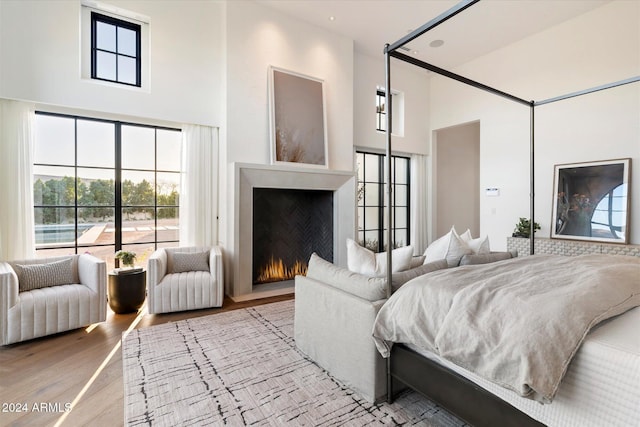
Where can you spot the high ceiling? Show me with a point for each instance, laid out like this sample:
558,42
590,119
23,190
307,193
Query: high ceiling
484,27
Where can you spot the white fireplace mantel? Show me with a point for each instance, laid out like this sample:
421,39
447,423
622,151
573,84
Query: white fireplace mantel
250,176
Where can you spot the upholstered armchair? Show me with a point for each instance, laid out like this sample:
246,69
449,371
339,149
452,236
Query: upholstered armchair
45,296
186,278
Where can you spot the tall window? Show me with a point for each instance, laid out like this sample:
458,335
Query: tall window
101,186
372,201
115,50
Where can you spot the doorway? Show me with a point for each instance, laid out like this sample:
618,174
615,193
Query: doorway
456,200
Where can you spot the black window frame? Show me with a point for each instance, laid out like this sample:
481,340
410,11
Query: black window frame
380,182
380,113
118,23
117,203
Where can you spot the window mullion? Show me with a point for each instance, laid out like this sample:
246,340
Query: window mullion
392,200
381,188
75,185
408,196
117,54
118,186
155,187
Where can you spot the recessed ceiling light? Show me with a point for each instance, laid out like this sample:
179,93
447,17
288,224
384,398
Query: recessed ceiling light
415,52
332,18
436,43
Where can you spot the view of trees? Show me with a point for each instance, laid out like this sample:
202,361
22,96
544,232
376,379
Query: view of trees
96,199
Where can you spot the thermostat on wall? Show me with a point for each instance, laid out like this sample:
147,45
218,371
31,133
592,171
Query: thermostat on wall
492,192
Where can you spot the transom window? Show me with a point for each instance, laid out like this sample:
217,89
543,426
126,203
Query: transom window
101,186
372,201
381,111
115,50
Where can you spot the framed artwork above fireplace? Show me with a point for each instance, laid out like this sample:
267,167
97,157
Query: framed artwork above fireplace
592,201
297,119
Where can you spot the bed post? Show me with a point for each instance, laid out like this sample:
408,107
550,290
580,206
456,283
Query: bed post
532,229
387,172
387,94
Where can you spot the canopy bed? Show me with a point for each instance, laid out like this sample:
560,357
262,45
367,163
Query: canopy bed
475,400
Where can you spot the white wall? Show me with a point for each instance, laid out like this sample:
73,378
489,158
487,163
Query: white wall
412,82
40,51
258,36
598,47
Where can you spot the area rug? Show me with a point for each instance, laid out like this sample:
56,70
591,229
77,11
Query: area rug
242,368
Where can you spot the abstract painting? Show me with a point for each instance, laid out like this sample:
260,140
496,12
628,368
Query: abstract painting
298,121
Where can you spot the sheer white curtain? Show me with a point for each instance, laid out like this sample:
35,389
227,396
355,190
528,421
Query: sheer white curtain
17,237
419,203
199,186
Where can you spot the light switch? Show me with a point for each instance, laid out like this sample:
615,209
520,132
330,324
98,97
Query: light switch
492,192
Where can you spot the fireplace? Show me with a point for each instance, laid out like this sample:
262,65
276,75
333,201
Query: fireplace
333,190
288,226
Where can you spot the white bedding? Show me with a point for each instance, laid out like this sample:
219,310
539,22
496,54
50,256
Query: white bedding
516,323
601,387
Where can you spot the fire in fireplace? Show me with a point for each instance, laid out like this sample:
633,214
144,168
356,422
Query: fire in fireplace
276,271
288,226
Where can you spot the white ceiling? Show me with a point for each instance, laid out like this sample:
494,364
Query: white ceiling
484,27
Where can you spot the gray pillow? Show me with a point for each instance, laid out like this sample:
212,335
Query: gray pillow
417,261
189,261
369,288
399,279
485,258
37,276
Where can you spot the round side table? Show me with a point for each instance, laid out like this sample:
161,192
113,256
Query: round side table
127,291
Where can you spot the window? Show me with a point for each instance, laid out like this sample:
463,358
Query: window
372,201
101,186
381,111
115,50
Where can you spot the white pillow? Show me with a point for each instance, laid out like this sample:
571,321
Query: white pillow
479,246
364,261
450,247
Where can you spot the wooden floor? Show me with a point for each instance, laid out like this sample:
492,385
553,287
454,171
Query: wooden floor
40,378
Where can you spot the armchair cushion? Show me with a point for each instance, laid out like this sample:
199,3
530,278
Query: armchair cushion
36,276
183,261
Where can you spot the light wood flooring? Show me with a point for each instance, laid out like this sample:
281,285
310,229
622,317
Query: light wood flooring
82,367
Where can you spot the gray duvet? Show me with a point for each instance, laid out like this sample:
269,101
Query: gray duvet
517,322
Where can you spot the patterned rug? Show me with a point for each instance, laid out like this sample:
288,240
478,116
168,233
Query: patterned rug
242,368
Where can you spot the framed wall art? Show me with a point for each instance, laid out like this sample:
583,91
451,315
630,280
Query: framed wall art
297,119
591,201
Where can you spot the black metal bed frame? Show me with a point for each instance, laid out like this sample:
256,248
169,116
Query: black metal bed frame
451,390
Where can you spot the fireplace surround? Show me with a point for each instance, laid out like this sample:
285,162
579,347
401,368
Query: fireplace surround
249,177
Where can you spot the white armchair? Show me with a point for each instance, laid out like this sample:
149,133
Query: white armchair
186,278
52,295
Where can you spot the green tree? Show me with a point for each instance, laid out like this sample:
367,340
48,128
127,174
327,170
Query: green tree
144,194
101,193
